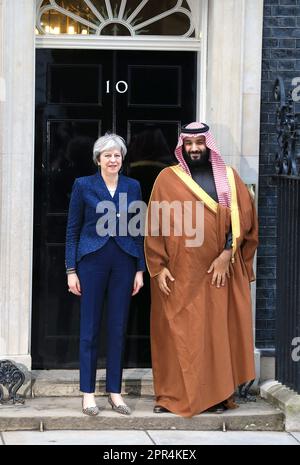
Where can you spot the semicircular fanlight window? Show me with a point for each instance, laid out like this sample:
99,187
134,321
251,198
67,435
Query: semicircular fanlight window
115,17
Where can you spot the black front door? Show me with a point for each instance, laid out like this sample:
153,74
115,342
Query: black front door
81,94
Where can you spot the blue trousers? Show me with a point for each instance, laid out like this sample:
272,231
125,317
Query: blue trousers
109,271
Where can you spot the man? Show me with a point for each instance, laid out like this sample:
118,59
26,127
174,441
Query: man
201,320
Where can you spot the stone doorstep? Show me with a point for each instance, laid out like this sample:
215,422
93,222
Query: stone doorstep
64,413
286,399
58,383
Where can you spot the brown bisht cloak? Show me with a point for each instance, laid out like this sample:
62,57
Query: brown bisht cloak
201,335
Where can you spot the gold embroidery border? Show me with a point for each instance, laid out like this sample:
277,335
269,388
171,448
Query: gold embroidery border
188,180
235,216
209,201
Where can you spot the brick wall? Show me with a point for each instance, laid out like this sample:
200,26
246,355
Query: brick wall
281,56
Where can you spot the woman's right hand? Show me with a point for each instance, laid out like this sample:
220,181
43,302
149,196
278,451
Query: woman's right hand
74,284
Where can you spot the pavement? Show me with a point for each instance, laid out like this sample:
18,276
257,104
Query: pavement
148,438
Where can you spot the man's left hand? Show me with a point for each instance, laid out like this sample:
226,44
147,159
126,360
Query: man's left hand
220,268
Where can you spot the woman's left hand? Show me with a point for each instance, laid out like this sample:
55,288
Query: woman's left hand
138,282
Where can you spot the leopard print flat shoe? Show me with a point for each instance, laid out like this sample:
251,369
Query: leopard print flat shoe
91,411
123,409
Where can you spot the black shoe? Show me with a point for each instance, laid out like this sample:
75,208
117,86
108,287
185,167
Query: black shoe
160,409
218,408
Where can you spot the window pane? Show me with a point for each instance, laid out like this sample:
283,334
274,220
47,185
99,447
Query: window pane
152,9
81,9
177,24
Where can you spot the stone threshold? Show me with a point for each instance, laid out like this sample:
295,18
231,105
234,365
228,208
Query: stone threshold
64,413
284,398
57,383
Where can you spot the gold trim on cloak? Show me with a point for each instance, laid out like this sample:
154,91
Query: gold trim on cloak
234,211
194,187
210,202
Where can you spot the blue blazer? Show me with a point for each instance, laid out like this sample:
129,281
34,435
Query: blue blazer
82,237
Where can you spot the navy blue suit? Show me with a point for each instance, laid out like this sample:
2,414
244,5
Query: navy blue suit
82,237
106,266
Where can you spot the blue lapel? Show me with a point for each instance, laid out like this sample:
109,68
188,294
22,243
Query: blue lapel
103,192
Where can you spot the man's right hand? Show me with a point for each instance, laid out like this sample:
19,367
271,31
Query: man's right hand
162,280
74,284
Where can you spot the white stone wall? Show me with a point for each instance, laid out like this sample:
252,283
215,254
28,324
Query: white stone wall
234,81
17,19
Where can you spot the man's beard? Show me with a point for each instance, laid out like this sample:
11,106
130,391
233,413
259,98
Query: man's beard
203,160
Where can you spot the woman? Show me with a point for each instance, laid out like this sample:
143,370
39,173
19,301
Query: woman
100,261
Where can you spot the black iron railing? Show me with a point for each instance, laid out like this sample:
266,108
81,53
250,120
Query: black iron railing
11,379
288,241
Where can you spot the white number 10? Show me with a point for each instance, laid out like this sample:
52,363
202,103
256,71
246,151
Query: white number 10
121,87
